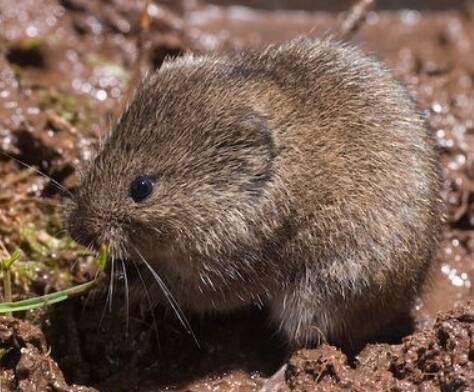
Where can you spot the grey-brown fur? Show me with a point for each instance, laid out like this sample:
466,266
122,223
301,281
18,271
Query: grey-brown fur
300,177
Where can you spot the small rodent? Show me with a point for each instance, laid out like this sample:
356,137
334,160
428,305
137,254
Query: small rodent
301,177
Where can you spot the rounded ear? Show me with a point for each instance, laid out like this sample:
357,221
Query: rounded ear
256,132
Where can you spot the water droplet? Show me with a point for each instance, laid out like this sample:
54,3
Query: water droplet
31,31
101,95
436,107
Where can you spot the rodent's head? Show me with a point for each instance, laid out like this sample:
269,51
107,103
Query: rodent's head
187,167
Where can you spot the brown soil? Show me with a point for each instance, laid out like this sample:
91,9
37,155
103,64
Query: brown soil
27,365
67,66
432,359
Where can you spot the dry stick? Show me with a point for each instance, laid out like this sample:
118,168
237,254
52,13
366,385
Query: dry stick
145,17
144,27
355,17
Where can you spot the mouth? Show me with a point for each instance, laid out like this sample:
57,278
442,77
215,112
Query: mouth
137,277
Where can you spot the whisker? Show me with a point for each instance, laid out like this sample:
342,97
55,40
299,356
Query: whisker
73,266
59,232
89,295
38,171
111,284
46,201
169,296
108,300
102,316
127,297
150,302
88,247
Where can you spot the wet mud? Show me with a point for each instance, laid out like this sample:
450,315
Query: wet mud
66,69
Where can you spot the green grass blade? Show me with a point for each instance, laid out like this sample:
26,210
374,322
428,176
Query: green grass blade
48,299
102,257
8,262
10,307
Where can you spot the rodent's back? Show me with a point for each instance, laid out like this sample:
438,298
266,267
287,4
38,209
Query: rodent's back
363,175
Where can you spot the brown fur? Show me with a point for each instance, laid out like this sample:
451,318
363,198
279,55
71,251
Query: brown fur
301,177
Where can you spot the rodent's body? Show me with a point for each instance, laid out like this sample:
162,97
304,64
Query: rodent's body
300,177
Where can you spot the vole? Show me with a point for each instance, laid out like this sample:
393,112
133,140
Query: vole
300,177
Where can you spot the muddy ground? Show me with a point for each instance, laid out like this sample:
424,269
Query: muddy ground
66,68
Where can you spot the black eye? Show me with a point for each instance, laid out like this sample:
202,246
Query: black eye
140,188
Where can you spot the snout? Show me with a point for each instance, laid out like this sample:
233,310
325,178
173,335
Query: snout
92,231
80,229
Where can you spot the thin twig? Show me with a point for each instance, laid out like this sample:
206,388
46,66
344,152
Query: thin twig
144,27
355,17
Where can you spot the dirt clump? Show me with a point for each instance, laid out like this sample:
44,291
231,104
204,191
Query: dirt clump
432,359
25,361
